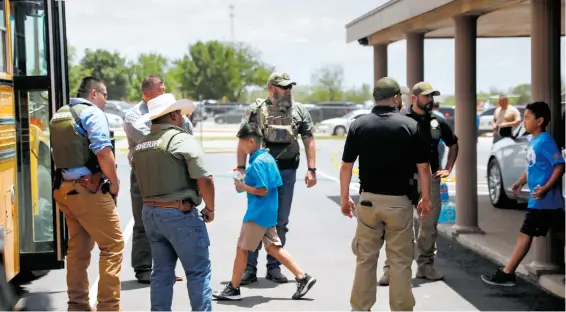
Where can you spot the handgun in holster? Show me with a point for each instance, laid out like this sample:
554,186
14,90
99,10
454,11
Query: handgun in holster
413,191
106,189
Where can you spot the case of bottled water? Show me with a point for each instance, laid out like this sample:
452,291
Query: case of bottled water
448,209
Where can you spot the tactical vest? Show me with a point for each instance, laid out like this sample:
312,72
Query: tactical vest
278,127
160,173
70,148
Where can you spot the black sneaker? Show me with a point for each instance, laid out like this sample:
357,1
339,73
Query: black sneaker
248,278
229,293
500,278
303,286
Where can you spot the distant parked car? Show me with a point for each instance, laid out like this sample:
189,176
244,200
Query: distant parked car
339,126
117,107
507,162
115,121
230,117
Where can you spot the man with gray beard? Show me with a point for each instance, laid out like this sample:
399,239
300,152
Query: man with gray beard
281,121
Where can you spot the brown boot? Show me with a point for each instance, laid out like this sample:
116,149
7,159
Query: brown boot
430,273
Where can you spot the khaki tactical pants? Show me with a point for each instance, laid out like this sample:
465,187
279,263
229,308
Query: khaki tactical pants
390,219
91,217
428,233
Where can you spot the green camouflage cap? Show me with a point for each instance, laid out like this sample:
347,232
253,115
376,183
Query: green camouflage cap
280,79
386,88
424,88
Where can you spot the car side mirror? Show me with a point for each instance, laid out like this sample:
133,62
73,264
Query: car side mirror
506,132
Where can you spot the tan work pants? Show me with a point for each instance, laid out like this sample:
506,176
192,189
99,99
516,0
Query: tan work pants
91,218
390,219
428,232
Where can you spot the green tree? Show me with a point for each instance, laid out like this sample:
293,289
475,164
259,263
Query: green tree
524,92
329,79
150,64
213,70
110,67
76,71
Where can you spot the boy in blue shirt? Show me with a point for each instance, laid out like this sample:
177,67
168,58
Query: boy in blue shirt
261,182
546,204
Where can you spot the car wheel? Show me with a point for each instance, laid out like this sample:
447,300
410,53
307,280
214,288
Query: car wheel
495,186
219,120
339,131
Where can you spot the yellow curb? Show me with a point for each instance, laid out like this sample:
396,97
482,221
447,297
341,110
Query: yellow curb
337,165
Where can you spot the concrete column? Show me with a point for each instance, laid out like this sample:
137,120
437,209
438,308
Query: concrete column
379,61
465,78
415,59
545,82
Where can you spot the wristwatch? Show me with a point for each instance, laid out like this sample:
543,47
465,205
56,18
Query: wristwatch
312,169
242,167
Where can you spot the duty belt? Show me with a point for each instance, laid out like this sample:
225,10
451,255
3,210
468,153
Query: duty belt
182,205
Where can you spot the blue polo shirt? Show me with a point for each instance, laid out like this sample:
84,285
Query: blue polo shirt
542,156
263,172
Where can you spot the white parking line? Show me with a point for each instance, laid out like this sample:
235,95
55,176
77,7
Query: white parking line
127,234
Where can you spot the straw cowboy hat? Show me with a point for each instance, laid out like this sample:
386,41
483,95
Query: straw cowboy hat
164,104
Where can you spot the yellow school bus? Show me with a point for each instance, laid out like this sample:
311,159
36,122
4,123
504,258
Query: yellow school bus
33,85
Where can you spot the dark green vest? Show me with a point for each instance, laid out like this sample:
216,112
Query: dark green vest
70,148
158,172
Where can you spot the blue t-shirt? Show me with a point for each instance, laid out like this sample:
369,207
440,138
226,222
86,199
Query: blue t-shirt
263,172
542,156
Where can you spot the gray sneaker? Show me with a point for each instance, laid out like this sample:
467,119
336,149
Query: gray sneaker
384,280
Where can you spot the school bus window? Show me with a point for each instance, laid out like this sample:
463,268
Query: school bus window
3,31
28,33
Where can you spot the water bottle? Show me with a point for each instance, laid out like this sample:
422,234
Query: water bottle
238,176
448,209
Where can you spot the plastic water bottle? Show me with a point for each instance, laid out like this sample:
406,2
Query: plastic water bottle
238,176
448,209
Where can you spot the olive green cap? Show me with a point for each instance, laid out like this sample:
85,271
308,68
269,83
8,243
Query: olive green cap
386,88
280,79
425,88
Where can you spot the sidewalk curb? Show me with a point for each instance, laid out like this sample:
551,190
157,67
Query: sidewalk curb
478,244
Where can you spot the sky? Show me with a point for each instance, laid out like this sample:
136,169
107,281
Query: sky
296,36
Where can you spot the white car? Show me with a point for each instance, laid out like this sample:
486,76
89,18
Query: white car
339,126
115,121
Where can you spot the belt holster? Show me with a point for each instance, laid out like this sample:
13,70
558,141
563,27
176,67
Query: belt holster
92,183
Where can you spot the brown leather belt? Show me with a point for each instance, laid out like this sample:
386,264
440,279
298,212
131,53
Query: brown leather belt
178,204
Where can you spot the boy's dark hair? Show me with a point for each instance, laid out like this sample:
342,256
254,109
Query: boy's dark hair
250,130
540,110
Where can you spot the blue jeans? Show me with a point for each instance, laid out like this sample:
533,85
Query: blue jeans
174,235
288,176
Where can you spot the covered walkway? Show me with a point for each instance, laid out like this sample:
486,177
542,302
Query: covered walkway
465,21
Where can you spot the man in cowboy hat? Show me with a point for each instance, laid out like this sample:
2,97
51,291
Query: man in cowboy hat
152,87
173,181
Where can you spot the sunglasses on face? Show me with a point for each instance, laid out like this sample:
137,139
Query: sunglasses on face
289,87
